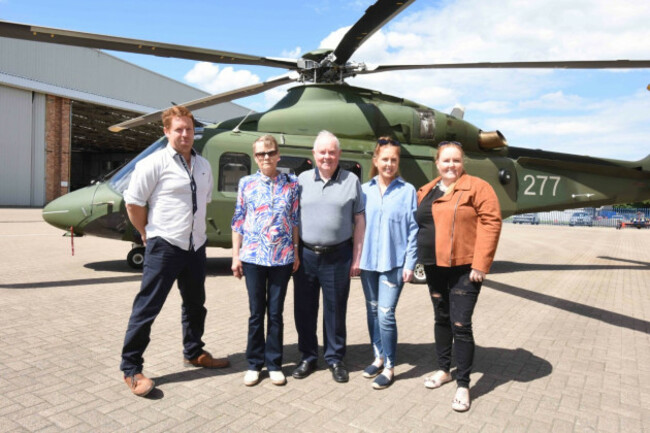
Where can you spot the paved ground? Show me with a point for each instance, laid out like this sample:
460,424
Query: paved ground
562,327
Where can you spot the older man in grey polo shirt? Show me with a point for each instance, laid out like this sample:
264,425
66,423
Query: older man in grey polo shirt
332,225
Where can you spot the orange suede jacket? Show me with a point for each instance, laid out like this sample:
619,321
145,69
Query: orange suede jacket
467,221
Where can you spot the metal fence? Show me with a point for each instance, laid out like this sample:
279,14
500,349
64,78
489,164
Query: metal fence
613,217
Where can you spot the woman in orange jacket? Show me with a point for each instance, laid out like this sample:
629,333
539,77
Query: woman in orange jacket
460,221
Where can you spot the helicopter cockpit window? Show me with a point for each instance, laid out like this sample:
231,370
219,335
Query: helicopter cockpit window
352,166
232,167
293,164
120,180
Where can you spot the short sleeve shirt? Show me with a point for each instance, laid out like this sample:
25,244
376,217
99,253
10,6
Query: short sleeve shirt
327,209
161,182
265,214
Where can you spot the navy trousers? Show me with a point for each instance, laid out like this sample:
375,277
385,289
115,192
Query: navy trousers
165,263
331,272
267,289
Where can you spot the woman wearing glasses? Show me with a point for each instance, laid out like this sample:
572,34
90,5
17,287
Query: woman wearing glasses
389,254
265,245
460,222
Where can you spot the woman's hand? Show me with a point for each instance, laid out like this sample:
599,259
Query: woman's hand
476,276
407,275
237,269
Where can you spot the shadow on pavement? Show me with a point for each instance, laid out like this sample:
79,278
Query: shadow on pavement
499,366
606,316
504,267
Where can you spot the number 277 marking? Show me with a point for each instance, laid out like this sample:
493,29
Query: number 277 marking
530,190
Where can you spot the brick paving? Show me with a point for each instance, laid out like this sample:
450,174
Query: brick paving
562,328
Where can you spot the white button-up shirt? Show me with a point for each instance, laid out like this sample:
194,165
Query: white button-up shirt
162,182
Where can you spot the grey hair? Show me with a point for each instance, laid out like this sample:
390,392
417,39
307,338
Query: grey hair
327,135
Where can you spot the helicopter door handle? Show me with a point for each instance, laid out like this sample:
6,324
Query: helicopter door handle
212,223
106,203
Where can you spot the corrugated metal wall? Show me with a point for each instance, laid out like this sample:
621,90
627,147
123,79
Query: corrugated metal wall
22,148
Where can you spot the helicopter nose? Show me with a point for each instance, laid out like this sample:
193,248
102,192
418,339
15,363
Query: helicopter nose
70,210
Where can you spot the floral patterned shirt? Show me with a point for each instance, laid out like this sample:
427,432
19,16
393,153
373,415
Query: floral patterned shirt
265,214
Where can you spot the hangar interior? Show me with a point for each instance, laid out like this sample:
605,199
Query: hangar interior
95,151
57,104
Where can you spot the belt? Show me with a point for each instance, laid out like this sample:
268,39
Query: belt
326,249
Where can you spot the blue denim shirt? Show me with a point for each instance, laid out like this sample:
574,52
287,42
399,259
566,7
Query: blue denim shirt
391,230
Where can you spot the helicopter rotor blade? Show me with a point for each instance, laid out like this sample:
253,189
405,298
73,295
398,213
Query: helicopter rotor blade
208,101
92,40
570,64
373,19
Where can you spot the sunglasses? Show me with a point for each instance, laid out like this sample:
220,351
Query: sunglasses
383,142
449,143
270,154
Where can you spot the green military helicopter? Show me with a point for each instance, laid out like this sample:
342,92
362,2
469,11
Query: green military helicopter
525,180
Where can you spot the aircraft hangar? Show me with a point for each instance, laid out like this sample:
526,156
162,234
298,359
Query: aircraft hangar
56,103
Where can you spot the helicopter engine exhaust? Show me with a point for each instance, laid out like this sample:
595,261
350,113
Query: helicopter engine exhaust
491,140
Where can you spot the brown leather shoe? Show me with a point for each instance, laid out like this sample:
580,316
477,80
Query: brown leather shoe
206,360
139,384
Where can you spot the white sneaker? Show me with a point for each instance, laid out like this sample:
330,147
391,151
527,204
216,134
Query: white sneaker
277,378
251,377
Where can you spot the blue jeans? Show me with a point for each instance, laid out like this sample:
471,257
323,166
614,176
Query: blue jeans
454,297
382,290
267,289
331,271
165,263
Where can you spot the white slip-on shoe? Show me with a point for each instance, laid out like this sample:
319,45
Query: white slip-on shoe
277,378
252,377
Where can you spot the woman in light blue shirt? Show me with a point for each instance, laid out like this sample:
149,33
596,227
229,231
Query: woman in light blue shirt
389,254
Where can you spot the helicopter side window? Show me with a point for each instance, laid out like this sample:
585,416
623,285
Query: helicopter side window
232,167
120,180
352,166
293,164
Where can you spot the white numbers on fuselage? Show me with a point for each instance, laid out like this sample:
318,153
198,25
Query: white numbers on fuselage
541,180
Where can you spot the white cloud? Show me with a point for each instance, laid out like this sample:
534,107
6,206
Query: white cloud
293,54
550,109
215,79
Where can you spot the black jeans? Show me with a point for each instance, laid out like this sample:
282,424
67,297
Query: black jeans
165,263
454,297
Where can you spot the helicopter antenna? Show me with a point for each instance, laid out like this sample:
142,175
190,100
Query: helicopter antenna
236,128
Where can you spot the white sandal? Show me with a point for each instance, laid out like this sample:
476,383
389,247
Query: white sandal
461,401
436,379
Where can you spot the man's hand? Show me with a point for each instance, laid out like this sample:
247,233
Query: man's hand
407,275
355,271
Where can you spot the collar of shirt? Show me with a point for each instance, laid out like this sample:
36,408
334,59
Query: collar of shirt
173,152
334,177
268,179
394,182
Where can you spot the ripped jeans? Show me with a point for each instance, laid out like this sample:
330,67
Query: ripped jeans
454,297
382,290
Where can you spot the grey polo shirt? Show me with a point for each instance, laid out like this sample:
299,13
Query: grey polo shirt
327,209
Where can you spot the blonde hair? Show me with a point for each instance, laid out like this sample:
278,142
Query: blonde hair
381,142
458,146
268,140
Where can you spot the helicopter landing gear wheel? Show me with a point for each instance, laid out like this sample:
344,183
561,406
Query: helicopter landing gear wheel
418,274
135,258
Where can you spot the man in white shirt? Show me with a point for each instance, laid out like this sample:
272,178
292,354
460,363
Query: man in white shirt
166,202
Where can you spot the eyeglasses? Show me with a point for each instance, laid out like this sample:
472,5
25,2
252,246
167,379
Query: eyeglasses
384,141
449,143
270,154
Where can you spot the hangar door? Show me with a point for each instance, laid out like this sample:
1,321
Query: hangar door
22,148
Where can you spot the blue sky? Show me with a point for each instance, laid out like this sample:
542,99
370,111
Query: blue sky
598,113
